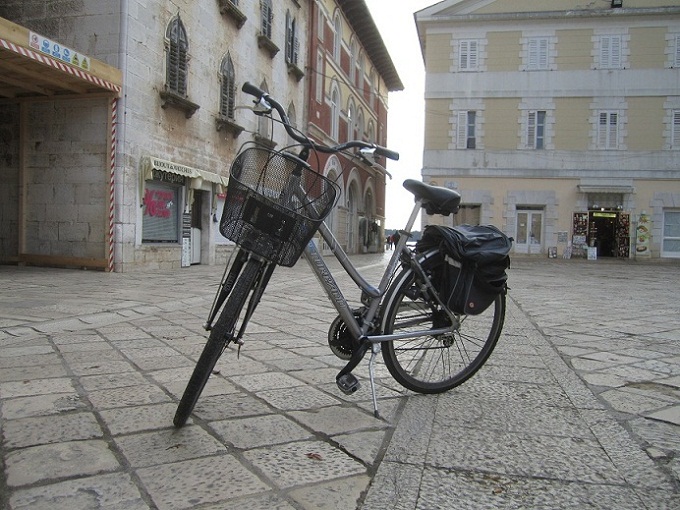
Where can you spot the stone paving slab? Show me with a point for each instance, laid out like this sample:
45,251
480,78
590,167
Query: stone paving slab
577,407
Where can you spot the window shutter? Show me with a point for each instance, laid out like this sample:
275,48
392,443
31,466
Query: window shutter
468,55
676,62
602,133
676,130
533,54
610,52
461,130
613,130
531,130
472,55
543,54
615,62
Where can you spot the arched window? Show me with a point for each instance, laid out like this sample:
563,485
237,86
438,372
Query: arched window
263,122
373,90
360,73
351,119
292,42
359,126
370,132
352,217
335,112
228,88
292,117
354,51
337,37
267,16
176,57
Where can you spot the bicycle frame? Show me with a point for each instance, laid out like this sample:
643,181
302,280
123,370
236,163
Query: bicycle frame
375,294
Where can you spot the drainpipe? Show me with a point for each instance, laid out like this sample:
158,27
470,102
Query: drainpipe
122,141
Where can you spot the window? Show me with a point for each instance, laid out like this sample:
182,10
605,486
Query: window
161,213
608,130
466,130
337,37
292,117
263,122
359,126
228,88
267,17
536,129
610,52
370,132
353,53
373,90
675,130
176,63
537,53
671,234
351,120
335,113
468,56
292,42
360,73
319,77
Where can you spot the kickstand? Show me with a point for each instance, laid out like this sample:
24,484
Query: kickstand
375,349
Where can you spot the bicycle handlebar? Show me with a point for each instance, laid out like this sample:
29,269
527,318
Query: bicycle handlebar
264,99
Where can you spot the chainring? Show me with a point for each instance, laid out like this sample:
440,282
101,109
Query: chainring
340,338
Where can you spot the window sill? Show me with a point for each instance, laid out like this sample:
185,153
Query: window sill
267,44
229,126
264,141
170,98
295,71
227,8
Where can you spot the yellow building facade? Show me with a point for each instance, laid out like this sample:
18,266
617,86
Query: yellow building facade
559,122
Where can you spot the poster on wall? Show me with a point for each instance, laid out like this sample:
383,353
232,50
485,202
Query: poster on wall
642,236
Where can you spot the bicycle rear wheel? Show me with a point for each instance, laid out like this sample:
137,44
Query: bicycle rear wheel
435,364
221,334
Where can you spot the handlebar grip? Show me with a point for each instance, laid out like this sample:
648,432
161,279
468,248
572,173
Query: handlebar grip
253,90
383,151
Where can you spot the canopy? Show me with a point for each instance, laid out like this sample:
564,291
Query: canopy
33,66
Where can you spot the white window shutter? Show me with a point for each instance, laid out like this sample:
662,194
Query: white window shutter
531,129
461,130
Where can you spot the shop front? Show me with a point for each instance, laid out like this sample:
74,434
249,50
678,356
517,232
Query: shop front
604,231
178,203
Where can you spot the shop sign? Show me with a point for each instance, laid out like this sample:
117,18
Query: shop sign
56,50
160,175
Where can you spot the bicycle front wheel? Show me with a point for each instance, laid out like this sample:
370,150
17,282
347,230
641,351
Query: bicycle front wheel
435,364
221,334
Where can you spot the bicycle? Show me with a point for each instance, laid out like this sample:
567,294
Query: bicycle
275,204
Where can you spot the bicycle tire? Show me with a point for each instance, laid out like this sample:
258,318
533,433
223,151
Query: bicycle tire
221,334
435,364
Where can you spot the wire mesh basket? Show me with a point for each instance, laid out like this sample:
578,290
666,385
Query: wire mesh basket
275,203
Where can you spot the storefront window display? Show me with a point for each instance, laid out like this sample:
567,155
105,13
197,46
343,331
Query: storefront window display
161,214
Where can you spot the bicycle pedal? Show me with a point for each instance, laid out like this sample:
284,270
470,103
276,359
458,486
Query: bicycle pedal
348,384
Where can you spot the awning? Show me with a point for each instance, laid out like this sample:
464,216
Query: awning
33,66
197,175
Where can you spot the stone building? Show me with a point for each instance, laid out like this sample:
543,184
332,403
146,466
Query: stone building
125,166
558,121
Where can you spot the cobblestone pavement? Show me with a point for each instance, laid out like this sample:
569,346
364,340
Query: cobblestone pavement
579,406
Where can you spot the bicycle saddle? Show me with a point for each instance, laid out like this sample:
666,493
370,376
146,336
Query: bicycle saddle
436,200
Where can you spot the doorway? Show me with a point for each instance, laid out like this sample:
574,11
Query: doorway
529,230
196,227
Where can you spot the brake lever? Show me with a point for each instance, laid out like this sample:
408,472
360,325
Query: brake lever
262,107
364,154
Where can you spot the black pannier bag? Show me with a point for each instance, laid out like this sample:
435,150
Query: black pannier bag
476,257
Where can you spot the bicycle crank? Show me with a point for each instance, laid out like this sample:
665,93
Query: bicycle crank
340,339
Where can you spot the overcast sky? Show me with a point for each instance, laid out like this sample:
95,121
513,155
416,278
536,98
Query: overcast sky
406,109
